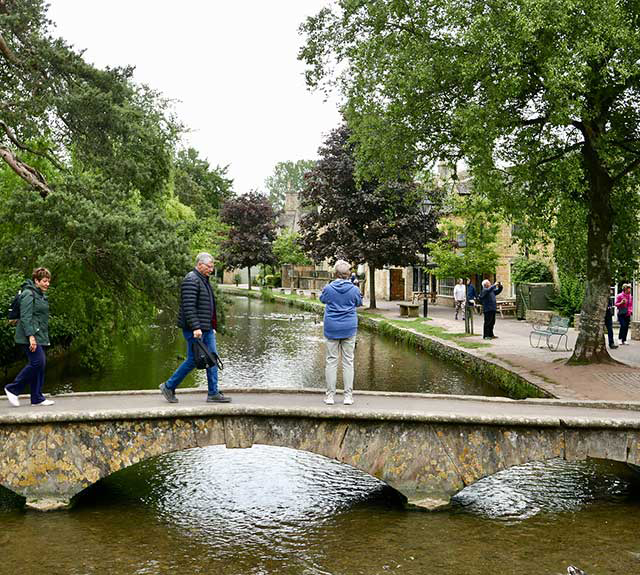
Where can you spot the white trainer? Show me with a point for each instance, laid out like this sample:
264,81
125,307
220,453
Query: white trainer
348,400
44,403
329,400
12,397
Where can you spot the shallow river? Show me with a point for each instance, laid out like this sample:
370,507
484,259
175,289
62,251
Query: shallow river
268,510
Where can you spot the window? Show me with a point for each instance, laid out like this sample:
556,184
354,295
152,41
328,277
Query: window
446,285
420,283
461,240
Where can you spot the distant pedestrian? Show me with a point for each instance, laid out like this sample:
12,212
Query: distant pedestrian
469,307
32,335
340,326
198,320
354,280
608,322
488,299
459,297
624,303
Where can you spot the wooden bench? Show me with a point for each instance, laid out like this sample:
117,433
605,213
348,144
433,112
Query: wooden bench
409,309
505,307
557,327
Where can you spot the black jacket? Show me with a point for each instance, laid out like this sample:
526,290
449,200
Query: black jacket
488,297
197,303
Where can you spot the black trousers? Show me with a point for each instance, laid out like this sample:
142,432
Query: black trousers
623,320
608,322
489,322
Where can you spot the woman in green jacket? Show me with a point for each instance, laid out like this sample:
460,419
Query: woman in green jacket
32,334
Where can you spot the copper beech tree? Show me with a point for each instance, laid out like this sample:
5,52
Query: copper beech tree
361,221
252,231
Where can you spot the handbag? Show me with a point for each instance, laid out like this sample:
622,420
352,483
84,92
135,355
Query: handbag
203,357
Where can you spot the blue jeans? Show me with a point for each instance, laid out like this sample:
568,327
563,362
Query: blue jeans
32,374
209,338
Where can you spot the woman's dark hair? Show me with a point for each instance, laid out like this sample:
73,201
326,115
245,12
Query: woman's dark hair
40,273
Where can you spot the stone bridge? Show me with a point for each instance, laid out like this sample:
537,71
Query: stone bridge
425,447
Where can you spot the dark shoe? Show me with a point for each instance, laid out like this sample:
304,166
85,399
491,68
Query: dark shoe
494,337
169,394
613,347
218,398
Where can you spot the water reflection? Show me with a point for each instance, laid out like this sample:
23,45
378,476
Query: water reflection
269,510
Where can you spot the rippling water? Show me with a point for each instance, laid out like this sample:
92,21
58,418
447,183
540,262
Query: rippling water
269,510
267,345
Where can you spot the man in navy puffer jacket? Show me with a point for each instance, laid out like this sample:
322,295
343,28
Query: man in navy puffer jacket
198,319
340,326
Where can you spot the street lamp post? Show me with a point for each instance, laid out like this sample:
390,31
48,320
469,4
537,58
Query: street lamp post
425,209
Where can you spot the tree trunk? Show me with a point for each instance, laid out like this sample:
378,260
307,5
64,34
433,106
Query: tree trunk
372,287
591,346
249,276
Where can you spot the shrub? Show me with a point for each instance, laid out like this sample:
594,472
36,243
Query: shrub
525,270
567,300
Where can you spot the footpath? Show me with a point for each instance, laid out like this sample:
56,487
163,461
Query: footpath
544,368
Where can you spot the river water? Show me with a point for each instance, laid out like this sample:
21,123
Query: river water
269,510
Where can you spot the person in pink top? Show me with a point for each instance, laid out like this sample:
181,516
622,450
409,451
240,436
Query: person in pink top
624,303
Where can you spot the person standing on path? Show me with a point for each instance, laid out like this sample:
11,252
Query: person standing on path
624,303
469,307
459,297
488,299
32,335
198,320
341,298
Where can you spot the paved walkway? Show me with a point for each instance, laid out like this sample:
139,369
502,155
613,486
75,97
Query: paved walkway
610,382
539,365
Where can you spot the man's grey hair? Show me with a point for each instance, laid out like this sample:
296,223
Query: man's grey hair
486,283
342,269
203,258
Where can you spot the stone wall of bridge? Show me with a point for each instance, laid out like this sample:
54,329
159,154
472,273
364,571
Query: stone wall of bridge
428,462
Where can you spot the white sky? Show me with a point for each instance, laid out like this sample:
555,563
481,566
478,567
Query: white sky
231,64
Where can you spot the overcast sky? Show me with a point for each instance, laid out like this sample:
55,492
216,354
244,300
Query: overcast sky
231,64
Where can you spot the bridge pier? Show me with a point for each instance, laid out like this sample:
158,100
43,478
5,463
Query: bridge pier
48,503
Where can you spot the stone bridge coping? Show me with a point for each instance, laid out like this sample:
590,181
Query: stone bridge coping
380,406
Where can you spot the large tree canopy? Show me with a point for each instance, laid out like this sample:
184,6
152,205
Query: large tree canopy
540,97
362,222
56,107
100,150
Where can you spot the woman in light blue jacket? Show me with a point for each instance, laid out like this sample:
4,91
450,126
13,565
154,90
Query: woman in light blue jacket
340,326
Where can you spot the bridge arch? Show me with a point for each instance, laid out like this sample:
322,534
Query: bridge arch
427,461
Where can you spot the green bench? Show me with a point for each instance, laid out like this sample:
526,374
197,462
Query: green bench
556,328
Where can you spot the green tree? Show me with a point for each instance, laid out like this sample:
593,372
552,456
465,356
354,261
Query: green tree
199,186
287,177
469,241
288,250
58,108
538,96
